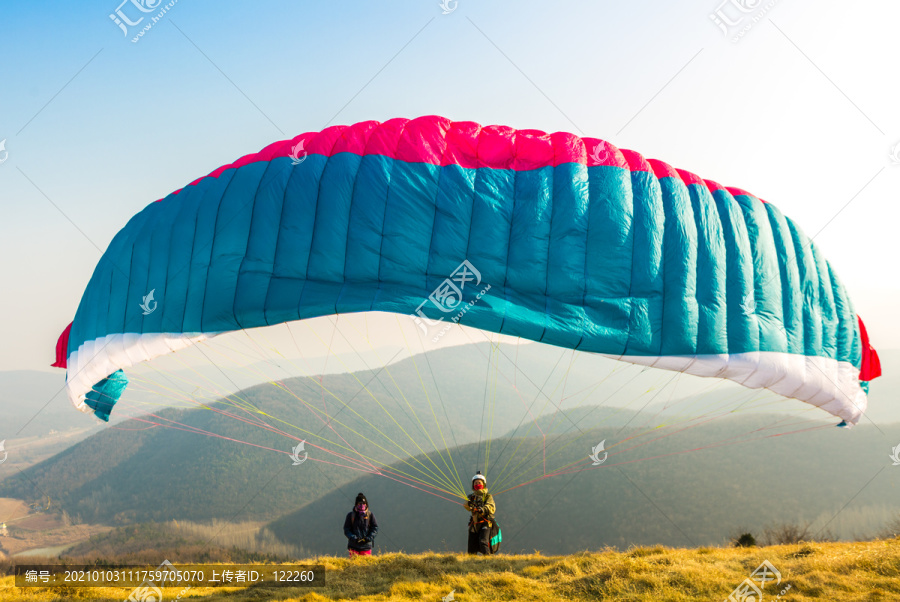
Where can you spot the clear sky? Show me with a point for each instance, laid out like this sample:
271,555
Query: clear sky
801,111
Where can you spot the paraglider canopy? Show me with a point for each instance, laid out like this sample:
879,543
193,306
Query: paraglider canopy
560,239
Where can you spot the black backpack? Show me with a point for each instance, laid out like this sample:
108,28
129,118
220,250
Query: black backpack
496,536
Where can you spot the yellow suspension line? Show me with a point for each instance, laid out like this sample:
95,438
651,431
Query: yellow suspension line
448,481
433,414
515,473
312,408
445,480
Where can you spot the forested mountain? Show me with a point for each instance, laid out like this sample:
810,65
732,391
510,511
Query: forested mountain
841,481
679,470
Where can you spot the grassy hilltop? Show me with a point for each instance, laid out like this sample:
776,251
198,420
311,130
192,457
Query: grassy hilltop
810,571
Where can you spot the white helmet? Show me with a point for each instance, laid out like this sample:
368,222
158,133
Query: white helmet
478,476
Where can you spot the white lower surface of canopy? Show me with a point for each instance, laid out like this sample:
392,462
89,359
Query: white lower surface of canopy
823,382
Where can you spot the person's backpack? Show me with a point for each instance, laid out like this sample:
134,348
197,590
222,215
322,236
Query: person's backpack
496,536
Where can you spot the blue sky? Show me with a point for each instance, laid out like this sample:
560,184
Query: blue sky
801,111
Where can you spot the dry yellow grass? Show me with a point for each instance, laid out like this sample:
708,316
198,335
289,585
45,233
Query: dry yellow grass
12,509
814,571
248,535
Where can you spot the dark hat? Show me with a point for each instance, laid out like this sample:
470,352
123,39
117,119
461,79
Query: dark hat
361,499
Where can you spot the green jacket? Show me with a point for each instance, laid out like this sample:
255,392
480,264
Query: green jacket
481,505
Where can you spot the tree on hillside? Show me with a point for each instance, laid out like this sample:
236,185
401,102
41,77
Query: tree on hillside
892,529
744,540
790,533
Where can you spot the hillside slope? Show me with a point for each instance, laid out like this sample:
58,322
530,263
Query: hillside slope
134,472
657,493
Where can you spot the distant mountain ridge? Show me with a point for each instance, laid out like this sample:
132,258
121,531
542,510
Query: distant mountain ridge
120,474
679,498
133,472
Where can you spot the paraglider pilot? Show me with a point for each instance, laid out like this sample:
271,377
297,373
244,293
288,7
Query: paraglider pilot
360,527
481,505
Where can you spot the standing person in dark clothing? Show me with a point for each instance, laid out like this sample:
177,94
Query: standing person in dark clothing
360,527
481,505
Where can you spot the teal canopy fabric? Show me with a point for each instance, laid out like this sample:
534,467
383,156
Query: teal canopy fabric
550,237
